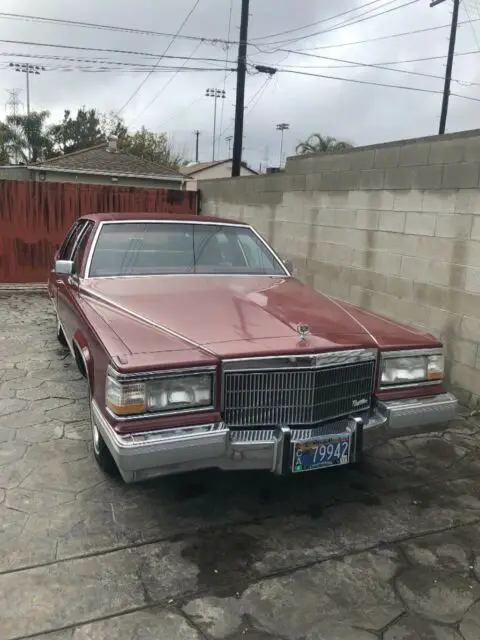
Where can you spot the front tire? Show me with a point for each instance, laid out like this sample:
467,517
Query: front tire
101,452
60,335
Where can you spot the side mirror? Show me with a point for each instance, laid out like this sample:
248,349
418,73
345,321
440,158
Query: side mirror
289,265
64,267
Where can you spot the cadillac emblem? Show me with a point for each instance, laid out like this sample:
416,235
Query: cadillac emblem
303,330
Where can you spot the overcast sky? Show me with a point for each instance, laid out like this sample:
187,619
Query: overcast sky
359,113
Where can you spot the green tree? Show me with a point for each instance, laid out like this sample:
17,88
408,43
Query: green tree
151,146
111,124
76,133
28,136
317,143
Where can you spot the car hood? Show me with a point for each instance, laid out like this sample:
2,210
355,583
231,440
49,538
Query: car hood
240,315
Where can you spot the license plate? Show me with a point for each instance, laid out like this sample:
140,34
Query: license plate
330,451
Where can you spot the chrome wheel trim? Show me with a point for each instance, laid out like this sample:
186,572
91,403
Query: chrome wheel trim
95,437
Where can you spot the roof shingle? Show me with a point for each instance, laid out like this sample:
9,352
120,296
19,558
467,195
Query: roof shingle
99,160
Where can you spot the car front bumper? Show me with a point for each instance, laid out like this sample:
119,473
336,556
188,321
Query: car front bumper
169,451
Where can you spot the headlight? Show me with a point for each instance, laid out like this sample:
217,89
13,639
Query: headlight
171,393
405,369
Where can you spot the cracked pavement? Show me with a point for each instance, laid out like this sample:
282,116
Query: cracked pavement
388,550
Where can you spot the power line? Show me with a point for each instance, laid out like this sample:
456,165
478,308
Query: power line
104,27
189,105
171,43
255,99
170,80
122,69
407,61
343,25
388,37
107,61
213,41
144,54
174,70
313,24
470,20
375,84
382,66
252,102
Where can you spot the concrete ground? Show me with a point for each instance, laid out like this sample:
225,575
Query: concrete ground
390,550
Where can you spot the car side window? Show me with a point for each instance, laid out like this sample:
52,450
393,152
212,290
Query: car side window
67,247
81,245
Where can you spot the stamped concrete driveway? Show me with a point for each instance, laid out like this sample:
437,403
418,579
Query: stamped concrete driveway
391,550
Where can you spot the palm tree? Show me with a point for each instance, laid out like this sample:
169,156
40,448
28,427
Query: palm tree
317,143
28,136
5,144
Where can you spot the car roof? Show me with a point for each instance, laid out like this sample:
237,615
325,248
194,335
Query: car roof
173,217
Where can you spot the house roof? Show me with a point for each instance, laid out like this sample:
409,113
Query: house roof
196,167
99,160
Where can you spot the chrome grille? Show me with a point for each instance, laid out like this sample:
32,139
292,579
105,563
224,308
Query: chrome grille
296,396
298,435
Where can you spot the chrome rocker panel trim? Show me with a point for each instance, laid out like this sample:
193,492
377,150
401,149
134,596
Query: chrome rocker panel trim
148,455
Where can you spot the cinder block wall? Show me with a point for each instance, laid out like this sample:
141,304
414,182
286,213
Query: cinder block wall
393,228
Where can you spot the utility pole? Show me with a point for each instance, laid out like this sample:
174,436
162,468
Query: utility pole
229,140
240,101
282,127
12,105
451,54
27,69
215,94
197,136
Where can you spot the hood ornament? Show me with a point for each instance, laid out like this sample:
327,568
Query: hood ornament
303,330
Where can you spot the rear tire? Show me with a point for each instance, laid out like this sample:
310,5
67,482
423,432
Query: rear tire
101,452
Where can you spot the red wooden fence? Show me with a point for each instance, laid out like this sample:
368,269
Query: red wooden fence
34,217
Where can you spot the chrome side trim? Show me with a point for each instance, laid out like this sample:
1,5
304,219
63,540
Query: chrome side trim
159,373
267,246
405,353
190,275
159,414
92,249
300,361
411,415
146,439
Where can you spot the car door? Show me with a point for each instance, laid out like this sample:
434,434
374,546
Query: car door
68,286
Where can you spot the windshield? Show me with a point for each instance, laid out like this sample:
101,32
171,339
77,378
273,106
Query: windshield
155,248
